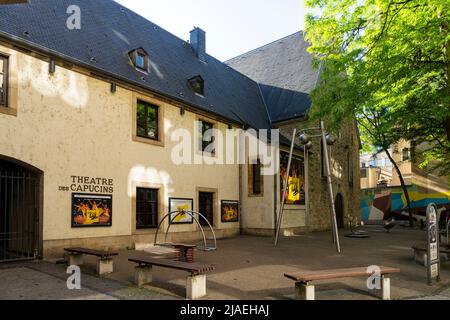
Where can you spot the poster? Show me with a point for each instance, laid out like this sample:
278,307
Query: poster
91,210
230,211
295,194
178,205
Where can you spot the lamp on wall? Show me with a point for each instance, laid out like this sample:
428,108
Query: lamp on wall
182,111
113,87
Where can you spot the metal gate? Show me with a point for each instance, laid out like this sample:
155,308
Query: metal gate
19,214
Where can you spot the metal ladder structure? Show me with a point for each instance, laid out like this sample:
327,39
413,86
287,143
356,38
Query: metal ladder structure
305,140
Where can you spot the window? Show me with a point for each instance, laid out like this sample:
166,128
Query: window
296,181
198,85
206,207
147,120
350,169
146,208
140,59
206,143
406,154
372,163
256,178
140,62
363,172
3,81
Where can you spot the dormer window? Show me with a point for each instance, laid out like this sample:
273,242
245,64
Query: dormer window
140,59
198,85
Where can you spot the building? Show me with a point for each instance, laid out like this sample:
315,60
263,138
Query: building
382,195
91,119
376,170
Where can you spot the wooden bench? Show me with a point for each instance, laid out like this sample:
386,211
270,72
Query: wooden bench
420,253
104,264
195,282
305,291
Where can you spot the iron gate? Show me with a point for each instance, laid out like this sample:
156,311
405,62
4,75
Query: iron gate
19,214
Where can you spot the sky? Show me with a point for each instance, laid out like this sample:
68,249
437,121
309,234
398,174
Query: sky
232,27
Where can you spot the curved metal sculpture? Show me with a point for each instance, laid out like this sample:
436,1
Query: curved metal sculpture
192,215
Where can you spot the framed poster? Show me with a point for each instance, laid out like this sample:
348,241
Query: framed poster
230,211
182,205
90,210
295,193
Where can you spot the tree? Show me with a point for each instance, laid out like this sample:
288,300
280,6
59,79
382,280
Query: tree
388,63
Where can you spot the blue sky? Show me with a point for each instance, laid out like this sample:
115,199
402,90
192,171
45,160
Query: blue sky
232,26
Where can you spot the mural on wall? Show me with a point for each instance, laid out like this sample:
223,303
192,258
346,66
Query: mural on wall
381,203
230,211
91,210
296,182
180,206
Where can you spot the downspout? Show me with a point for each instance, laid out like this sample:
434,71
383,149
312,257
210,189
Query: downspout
275,188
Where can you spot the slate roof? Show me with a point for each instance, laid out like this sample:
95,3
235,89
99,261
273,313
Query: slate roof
272,84
285,73
109,31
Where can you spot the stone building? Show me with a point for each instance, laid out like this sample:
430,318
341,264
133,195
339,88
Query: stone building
91,120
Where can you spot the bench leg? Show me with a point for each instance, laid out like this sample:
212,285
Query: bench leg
384,292
104,266
196,287
304,291
143,275
75,259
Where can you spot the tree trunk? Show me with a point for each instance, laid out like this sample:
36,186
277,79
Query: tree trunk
404,187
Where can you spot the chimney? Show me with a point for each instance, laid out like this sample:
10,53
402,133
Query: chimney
198,43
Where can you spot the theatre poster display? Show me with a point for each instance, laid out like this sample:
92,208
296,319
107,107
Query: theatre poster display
230,211
91,210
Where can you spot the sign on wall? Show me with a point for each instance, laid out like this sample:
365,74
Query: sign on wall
433,256
295,193
230,211
180,206
90,210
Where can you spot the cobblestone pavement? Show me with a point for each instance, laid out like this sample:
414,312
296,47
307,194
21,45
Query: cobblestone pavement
47,281
249,268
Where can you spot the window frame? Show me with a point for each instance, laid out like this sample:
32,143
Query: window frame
193,84
200,142
256,182
154,214
4,101
140,52
408,151
157,110
300,162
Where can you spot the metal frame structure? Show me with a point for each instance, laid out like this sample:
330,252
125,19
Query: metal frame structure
19,228
326,140
192,215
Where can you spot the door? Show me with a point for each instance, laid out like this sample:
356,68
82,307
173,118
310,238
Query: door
19,213
339,206
206,207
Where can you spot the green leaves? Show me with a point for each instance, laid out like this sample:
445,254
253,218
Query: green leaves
388,63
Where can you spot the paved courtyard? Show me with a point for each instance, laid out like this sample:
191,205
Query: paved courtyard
246,268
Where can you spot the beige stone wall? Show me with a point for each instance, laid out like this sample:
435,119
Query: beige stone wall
71,124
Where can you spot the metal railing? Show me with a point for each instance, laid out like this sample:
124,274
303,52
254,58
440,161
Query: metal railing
18,215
